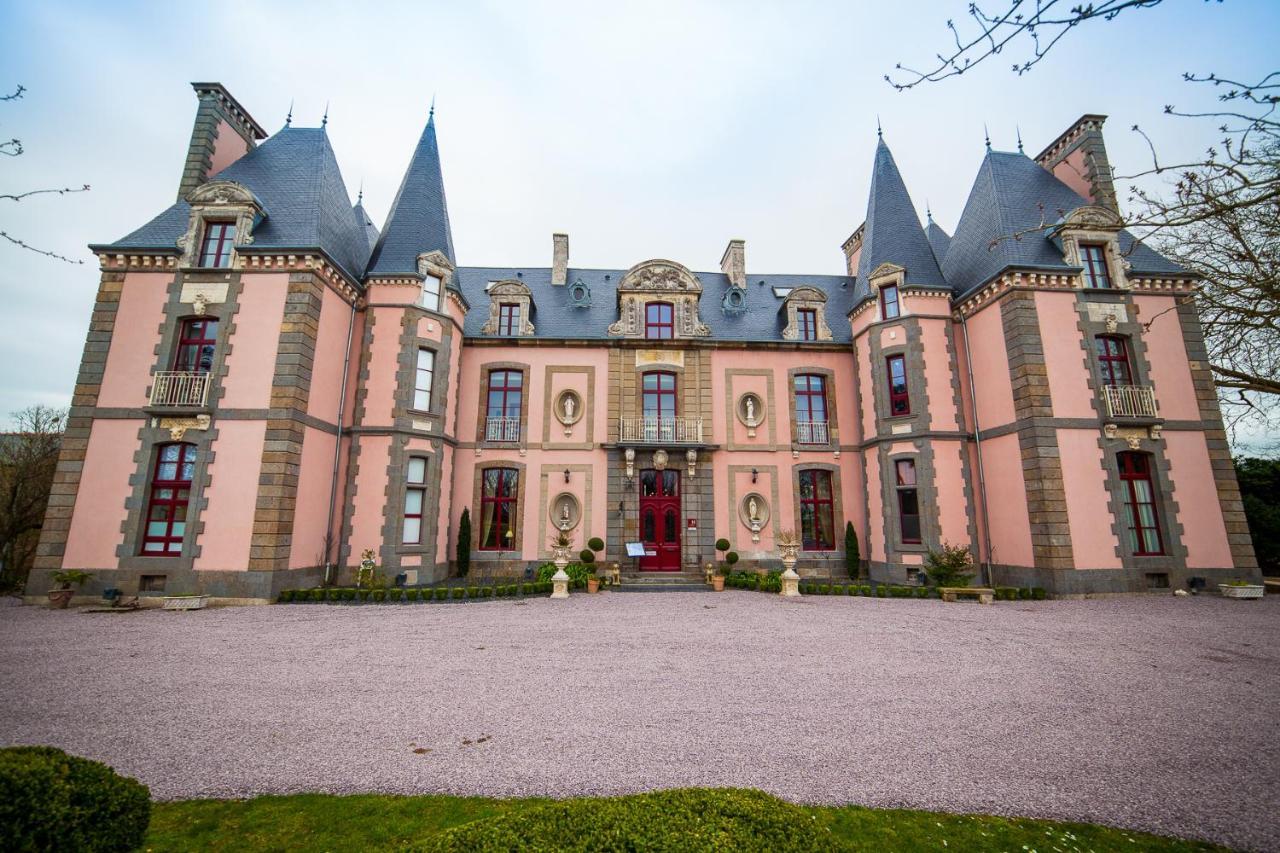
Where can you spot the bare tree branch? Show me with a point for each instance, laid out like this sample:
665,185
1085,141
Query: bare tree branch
63,191
15,241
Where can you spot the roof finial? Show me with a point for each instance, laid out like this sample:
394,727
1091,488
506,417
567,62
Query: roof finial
288,120
879,130
360,195
1019,131
927,211
986,135
324,122
432,113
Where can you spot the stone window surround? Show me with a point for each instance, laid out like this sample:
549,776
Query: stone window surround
393,547
219,201
883,276
1130,331
483,415
435,263
833,423
1166,508
636,405
513,554
439,378
805,298
926,499
916,392
658,280
837,505
509,292
1093,225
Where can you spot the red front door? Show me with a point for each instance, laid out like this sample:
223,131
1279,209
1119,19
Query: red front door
660,520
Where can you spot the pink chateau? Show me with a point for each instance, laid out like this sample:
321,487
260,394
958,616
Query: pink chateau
271,385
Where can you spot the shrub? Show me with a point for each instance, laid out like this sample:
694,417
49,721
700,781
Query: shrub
440,593
595,543
348,594
852,557
457,592
837,589
1024,593
881,592
1038,593
731,558
463,553
682,819
53,801
922,592
363,594
486,592
334,594
825,589
286,596
378,595
317,595
772,582
952,566
473,592
1006,593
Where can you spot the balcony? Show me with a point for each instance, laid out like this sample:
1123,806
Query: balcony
173,389
1130,401
812,432
660,430
502,429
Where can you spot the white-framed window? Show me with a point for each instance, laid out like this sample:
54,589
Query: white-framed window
415,498
422,379
431,292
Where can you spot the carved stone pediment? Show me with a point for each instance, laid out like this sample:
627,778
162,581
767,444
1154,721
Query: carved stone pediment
1093,218
659,281
659,276
220,201
886,271
436,263
223,192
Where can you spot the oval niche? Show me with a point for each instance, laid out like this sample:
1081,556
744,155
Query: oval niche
568,408
565,512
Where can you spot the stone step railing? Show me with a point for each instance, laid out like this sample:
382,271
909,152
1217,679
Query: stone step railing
180,389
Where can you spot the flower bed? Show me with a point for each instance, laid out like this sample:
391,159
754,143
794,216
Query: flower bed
413,595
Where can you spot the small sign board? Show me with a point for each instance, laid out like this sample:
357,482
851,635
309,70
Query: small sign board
635,549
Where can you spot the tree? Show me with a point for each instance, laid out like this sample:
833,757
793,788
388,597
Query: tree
1260,487
13,148
28,459
852,558
464,543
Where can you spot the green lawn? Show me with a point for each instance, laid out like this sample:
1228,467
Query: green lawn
318,822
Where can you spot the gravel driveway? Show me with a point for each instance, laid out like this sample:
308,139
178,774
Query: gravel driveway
1154,713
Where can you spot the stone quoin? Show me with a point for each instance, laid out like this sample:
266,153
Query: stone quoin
272,384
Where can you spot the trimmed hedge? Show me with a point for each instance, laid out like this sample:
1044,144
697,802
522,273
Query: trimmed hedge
457,592
688,819
53,801
440,593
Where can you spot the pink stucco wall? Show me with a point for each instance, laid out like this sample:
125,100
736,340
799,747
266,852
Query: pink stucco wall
1064,356
380,386
228,148
990,368
312,506
1006,502
232,496
1072,170
938,373
371,483
874,541
862,347
331,346
251,361
1167,358
132,354
104,488
953,516
1204,533
1084,481
445,531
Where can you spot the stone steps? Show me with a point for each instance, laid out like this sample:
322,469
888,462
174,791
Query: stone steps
664,582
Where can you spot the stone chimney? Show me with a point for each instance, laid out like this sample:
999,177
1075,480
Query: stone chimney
559,258
853,249
1078,158
223,133
734,262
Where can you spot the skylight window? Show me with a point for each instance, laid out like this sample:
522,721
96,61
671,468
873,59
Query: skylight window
782,292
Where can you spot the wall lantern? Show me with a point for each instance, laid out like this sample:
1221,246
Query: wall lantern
754,475
566,475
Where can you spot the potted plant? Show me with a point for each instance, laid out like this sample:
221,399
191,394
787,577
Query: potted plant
60,596
560,546
1239,589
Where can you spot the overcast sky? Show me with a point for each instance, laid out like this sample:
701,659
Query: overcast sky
643,130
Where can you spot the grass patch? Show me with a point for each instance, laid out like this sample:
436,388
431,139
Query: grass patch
321,822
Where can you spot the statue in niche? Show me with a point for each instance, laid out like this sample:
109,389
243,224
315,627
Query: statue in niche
569,407
753,511
565,513
751,411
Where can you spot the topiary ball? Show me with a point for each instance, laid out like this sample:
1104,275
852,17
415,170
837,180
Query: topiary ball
690,819
731,558
53,801
722,544
587,556
595,543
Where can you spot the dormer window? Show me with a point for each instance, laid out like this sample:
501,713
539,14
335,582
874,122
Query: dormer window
889,308
1093,257
215,249
508,319
659,321
803,315
807,321
431,292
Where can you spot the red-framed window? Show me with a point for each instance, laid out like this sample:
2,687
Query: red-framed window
811,408
508,319
1093,257
889,307
1141,517
505,399
658,395
415,498
499,492
659,321
899,393
167,500
215,248
1113,360
422,379
817,511
197,338
807,321
904,471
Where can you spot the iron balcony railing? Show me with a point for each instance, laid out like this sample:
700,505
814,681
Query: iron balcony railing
1130,401
812,432
502,429
180,389
661,430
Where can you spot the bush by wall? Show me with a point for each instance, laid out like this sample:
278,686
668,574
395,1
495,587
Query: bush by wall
53,801
695,820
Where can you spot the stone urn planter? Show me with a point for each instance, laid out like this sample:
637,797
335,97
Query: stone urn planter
788,552
1230,590
717,583
560,584
60,598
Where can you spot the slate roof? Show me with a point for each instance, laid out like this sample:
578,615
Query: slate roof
1012,194
365,224
419,218
554,315
893,233
939,240
296,177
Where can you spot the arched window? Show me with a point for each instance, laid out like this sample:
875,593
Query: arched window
197,338
167,499
659,321
811,409
498,496
1113,360
1141,518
